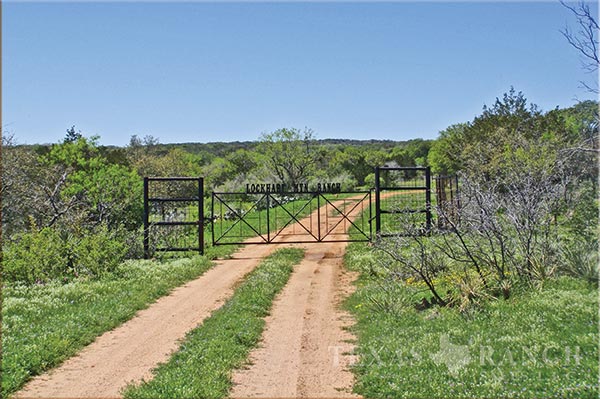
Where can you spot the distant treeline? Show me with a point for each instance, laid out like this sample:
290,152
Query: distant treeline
64,194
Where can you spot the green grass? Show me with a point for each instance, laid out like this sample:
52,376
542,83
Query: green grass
539,343
202,366
42,325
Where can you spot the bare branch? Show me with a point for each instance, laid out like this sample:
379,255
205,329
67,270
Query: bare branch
585,41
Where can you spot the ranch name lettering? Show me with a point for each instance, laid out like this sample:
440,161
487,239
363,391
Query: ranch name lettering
282,188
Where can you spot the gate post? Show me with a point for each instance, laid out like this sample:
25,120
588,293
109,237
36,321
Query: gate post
268,220
146,221
428,198
201,215
212,218
377,202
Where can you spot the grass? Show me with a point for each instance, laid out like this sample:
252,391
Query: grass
42,325
202,366
539,343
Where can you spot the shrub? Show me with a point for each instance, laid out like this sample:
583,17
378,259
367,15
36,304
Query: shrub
580,259
37,256
98,253
49,254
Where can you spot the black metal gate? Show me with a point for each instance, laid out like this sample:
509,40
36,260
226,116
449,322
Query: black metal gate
173,214
402,200
298,217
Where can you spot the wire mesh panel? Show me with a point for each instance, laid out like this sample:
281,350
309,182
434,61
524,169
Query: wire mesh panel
402,200
173,214
241,218
293,217
447,200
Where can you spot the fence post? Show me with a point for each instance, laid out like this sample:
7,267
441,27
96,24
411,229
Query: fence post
213,220
146,221
370,218
428,198
377,202
201,215
268,219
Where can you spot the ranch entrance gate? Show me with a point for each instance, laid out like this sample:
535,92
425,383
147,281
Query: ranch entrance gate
266,216
174,214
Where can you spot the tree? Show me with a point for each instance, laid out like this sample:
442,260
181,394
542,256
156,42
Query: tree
72,136
289,154
19,185
480,148
445,154
243,161
87,190
585,41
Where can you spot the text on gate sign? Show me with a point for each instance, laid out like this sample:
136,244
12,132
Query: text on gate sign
281,188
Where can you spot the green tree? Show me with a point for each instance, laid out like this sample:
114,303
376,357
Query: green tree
91,191
445,154
479,148
360,162
72,135
289,154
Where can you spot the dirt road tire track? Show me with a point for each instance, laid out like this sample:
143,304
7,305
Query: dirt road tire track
306,346
305,333
130,351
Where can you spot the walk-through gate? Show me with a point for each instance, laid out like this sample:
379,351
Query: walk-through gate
290,217
402,200
173,214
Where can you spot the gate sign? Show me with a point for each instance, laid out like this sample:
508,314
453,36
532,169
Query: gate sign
282,188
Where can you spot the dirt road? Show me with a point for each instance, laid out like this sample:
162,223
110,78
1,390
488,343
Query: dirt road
132,350
304,347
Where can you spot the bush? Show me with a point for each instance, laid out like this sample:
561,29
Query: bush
48,254
37,256
96,254
580,259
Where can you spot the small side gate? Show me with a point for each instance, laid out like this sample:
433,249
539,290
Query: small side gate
448,201
290,217
402,200
173,214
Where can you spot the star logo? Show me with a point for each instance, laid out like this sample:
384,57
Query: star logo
455,357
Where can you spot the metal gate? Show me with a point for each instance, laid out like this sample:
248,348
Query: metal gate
173,214
291,217
402,200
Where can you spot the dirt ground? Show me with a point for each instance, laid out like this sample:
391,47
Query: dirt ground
304,350
132,350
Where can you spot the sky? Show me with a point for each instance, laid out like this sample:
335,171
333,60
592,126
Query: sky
204,72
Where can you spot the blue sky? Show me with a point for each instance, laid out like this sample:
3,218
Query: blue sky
201,72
